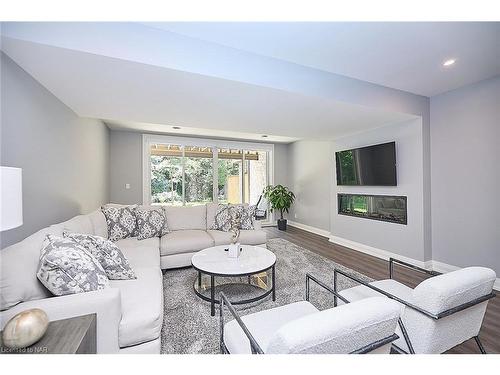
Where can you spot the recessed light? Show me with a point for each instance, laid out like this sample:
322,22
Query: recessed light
176,127
449,62
264,136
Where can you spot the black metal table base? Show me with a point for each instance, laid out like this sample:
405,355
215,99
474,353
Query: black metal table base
213,301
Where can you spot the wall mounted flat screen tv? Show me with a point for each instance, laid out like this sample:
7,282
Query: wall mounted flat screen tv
371,165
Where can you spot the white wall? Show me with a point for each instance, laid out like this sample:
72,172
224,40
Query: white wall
465,149
309,178
126,166
65,158
405,240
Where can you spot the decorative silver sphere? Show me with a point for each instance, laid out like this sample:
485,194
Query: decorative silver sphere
25,328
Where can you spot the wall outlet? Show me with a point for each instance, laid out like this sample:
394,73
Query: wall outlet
296,216
127,186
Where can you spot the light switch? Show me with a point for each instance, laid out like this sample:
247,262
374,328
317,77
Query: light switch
127,186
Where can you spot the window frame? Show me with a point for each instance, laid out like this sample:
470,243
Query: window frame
150,139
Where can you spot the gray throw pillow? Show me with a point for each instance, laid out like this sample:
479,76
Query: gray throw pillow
67,268
121,222
109,256
247,217
151,222
222,219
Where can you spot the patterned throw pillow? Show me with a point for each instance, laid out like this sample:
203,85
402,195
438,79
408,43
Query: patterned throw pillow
151,222
222,219
109,256
247,217
121,222
68,268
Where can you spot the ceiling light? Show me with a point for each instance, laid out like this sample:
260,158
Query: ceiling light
449,62
176,127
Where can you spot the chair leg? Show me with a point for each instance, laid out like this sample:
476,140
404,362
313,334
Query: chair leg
405,335
480,345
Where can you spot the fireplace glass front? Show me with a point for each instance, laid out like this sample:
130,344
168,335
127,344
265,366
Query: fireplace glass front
375,207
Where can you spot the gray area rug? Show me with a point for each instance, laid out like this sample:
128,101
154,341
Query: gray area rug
188,327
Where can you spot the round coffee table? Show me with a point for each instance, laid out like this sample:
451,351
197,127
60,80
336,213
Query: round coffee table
215,262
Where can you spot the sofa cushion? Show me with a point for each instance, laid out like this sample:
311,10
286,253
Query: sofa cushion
141,253
109,256
19,265
99,225
77,224
211,211
142,306
184,218
247,237
66,267
185,241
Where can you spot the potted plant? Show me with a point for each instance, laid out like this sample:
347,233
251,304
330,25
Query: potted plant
280,198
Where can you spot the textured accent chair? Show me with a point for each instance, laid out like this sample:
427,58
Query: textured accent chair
361,327
442,312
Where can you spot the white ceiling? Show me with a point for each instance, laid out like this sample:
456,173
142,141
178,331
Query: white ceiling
143,97
405,56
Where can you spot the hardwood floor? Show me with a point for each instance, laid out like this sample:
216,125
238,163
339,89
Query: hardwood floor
378,269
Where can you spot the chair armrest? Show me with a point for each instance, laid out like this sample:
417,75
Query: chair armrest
106,304
256,349
445,313
324,286
408,265
375,345
383,292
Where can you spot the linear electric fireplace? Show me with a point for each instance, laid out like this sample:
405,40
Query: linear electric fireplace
376,207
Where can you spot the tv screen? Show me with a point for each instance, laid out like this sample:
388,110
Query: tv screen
372,165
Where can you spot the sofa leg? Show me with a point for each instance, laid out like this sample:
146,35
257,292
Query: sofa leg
480,345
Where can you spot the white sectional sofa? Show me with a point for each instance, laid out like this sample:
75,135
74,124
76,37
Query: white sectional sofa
130,312
190,232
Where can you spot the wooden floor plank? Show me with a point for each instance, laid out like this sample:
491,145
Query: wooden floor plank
378,269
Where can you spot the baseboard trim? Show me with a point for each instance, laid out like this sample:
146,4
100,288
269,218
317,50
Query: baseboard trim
379,253
308,228
382,254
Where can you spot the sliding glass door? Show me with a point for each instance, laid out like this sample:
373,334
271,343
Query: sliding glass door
255,176
166,174
187,172
198,175
230,174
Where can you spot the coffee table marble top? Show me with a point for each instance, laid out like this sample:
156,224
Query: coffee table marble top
215,260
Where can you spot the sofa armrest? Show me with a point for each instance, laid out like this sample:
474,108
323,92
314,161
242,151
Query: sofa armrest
105,303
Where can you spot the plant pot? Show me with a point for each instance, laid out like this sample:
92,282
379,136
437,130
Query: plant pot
282,224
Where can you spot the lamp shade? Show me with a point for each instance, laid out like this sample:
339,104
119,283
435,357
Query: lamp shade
11,198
